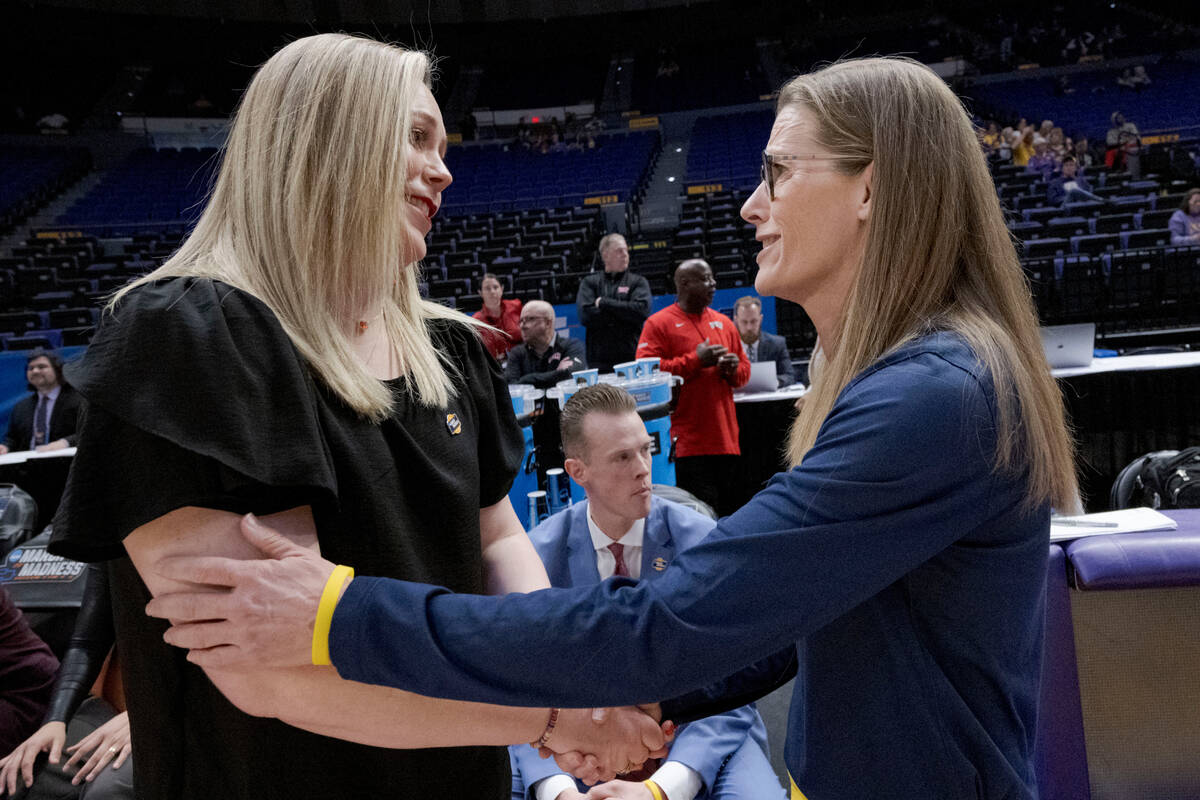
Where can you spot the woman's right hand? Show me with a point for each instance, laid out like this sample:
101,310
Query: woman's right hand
50,737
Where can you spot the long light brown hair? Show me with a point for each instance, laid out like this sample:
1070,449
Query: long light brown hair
937,256
308,212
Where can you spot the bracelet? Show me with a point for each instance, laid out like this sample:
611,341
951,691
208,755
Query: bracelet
550,723
654,790
329,598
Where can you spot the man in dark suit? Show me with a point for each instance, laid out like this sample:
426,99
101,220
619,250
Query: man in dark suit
47,419
543,358
758,344
623,529
613,305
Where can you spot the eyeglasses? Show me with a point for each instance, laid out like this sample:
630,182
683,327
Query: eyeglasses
769,160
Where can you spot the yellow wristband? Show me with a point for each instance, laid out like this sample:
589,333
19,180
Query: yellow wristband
654,790
329,598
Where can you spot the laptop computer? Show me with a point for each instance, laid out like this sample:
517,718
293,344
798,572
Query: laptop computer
1069,345
762,377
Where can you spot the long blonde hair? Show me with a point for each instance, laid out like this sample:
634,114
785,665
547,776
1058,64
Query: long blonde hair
308,212
937,257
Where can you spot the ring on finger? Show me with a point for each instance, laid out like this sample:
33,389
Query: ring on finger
112,750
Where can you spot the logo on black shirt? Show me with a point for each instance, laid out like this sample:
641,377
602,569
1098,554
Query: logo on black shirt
453,424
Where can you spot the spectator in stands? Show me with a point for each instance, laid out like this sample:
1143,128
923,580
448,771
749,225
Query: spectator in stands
543,358
1083,153
282,362
898,566
27,670
46,419
759,344
1185,222
1043,161
1042,134
613,305
503,315
1070,185
622,529
1057,143
1023,148
1135,79
98,766
701,346
1123,143
1008,139
991,138
593,127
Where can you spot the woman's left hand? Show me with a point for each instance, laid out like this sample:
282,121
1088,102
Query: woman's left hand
264,619
109,742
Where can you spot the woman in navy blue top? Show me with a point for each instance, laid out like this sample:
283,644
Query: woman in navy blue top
897,567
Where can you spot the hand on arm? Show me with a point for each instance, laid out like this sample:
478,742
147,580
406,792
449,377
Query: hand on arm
57,444
279,596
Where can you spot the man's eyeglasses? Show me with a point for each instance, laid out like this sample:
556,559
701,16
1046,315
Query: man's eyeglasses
769,160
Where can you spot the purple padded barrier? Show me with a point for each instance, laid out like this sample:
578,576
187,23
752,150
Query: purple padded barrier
1060,757
1155,559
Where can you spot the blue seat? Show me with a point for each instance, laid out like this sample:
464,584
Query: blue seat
47,340
1146,238
1040,248
1095,244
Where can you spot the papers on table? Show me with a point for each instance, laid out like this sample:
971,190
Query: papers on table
21,456
1128,520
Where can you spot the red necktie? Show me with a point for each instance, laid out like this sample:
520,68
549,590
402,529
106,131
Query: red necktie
647,769
618,551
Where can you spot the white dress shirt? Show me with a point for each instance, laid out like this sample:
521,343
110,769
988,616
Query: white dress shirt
678,781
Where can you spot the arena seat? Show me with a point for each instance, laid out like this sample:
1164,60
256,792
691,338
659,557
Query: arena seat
1060,753
1136,614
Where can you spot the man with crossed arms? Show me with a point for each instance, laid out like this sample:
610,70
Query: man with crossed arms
623,530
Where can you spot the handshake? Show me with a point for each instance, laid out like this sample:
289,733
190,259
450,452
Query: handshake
599,744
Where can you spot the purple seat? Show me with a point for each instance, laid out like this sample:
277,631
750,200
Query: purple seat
1136,613
1060,757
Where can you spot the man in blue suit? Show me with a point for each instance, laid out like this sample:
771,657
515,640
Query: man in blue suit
622,529
760,345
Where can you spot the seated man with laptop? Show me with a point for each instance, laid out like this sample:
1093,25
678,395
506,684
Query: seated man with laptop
762,347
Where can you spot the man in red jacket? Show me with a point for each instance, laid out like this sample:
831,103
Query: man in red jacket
703,347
